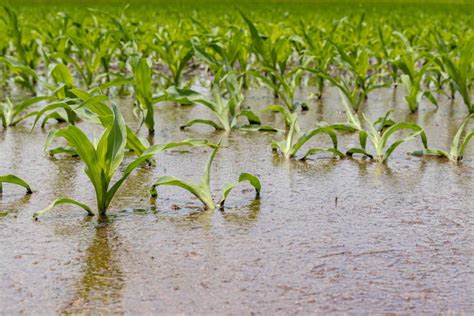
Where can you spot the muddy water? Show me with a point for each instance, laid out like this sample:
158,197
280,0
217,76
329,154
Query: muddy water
327,236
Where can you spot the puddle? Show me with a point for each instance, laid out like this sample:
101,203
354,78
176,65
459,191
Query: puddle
327,235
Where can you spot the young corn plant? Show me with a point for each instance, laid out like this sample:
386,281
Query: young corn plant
142,78
10,178
412,77
26,56
13,113
295,139
460,72
202,190
273,53
223,51
284,85
24,75
458,146
90,54
103,158
319,50
175,54
227,109
90,108
378,133
141,81
361,78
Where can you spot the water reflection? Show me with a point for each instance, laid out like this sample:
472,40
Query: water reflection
100,288
19,204
243,215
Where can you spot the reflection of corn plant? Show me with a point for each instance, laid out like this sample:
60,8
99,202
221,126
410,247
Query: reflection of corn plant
103,159
203,190
227,110
14,180
412,78
379,133
458,145
295,139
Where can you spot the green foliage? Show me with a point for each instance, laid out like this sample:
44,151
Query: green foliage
378,133
10,178
460,71
11,114
175,53
412,78
103,158
225,104
295,139
458,146
202,190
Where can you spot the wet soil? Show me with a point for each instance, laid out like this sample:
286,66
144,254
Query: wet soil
327,235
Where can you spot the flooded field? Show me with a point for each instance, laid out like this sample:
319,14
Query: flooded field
327,235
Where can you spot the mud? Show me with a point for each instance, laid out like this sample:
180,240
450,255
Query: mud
327,235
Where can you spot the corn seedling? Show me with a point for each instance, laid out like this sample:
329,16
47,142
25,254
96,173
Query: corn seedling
25,76
379,133
175,54
103,158
11,114
142,85
361,79
458,146
284,86
460,72
24,62
14,180
318,47
92,51
202,190
295,139
142,78
272,52
412,78
223,52
90,108
227,109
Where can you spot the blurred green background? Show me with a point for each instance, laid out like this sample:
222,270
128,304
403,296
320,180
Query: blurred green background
235,2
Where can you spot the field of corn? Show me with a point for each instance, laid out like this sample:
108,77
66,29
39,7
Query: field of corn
343,131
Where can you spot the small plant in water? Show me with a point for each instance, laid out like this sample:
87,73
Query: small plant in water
379,133
458,145
13,113
227,109
202,190
412,78
360,81
294,139
103,158
10,178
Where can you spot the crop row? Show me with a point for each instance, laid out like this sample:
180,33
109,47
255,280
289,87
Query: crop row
70,70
